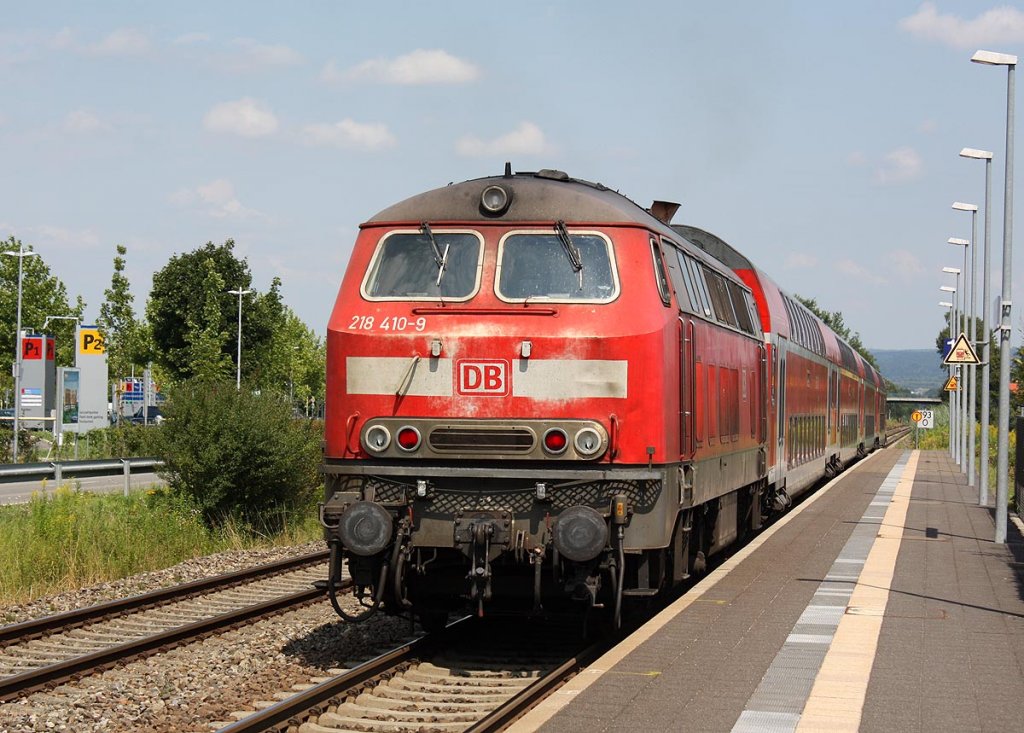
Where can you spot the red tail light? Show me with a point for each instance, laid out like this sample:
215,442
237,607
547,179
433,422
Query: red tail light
408,438
555,441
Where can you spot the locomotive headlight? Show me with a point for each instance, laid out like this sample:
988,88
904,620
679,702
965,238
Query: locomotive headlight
377,439
588,442
580,533
365,528
555,441
495,200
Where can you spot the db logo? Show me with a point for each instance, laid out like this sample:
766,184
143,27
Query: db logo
483,377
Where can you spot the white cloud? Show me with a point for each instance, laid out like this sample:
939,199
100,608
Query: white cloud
189,39
245,54
246,117
349,134
527,139
852,269
800,261
84,121
47,235
217,199
903,263
122,42
417,68
899,166
996,26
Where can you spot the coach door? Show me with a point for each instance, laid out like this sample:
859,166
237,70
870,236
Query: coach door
781,350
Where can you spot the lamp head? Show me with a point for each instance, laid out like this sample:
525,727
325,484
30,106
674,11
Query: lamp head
994,59
959,206
975,153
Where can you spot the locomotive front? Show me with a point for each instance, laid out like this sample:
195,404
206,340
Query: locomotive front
495,387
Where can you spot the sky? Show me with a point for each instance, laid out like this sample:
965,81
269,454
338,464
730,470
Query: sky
821,139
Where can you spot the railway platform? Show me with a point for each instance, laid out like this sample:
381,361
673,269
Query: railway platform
881,604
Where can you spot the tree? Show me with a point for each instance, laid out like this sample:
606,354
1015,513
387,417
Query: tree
180,297
296,361
837,323
43,295
204,337
126,339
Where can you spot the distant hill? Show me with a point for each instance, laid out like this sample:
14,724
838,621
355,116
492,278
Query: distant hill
919,370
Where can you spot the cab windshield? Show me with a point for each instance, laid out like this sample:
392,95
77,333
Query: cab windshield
425,265
562,267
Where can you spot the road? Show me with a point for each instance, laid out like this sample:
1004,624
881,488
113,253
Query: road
19,492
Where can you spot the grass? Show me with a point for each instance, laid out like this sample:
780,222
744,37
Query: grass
72,539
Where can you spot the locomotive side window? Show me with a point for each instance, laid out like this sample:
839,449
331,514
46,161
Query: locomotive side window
684,290
720,297
541,265
659,273
425,265
696,283
740,306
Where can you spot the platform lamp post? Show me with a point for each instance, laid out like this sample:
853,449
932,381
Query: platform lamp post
954,401
21,254
238,369
949,370
984,338
992,58
971,287
963,388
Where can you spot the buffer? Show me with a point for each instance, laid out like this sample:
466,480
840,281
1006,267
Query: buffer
961,353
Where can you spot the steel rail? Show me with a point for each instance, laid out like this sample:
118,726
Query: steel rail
34,680
292,711
522,703
70,619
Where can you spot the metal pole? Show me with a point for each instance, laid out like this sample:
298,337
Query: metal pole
1002,460
962,384
972,389
955,395
986,333
238,369
17,355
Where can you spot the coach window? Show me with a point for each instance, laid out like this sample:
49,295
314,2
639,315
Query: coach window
425,264
577,268
659,273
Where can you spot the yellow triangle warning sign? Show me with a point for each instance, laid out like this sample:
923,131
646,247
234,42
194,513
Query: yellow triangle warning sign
961,353
951,385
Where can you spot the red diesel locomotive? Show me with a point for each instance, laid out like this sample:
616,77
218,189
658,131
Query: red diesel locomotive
540,393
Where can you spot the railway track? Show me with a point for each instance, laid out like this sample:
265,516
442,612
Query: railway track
472,678
44,652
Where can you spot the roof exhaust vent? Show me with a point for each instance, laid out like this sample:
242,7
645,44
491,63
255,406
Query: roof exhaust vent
663,211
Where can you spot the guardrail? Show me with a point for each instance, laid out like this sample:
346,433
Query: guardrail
57,470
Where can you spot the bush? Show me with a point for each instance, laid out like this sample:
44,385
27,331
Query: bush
238,454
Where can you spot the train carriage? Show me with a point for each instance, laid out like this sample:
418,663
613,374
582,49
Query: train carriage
541,394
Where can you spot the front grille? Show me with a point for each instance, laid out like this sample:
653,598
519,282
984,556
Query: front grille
446,501
481,440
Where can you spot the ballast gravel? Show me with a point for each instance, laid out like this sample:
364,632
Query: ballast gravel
191,687
184,572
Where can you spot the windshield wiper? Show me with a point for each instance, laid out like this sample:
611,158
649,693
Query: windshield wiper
570,250
441,260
